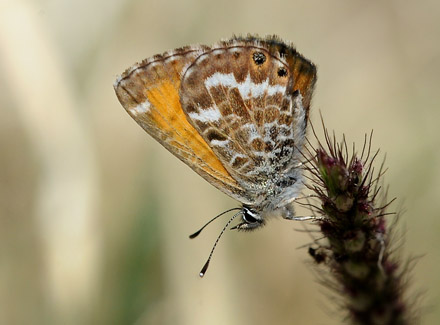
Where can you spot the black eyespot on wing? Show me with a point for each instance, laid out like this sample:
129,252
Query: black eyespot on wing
259,58
282,72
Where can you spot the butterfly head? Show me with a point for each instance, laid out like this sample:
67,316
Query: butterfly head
250,219
255,217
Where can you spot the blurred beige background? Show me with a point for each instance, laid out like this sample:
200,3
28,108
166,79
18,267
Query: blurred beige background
95,215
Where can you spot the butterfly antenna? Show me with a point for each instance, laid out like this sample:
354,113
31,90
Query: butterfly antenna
205,267
194,235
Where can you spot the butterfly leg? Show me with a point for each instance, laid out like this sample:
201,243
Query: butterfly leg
302,218
288,213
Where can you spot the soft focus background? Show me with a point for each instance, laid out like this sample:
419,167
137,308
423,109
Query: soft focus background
95,216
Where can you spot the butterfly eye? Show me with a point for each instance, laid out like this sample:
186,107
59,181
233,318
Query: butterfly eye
259,58
249,217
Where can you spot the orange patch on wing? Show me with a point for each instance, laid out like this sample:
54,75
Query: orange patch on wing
165,119
305,78
172,120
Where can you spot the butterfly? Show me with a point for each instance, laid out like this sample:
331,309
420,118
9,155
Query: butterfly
235,112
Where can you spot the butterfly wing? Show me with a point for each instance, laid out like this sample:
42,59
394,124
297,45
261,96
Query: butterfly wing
249,100
149,92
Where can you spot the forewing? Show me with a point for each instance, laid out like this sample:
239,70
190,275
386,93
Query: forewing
149,92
